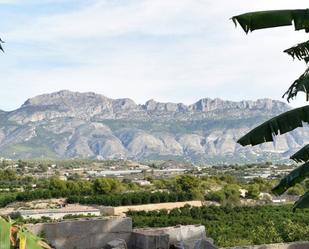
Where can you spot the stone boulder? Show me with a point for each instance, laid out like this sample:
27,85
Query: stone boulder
116,244
204,244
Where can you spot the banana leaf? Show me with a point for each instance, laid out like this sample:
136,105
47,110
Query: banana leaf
300,51
302,155
22,242
295,176
29,240
302,202
273,18
1,48
281,124
299,85
5,231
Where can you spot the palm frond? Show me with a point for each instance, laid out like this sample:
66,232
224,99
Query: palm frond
281,124
295,176
273,18
12,236
302,155
5,231
302,202
299,85
1,48
300,51
31,241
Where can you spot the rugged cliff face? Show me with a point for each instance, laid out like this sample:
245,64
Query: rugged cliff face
89,125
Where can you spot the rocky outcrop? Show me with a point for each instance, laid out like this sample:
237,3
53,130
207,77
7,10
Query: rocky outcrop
116,244
117,232
182,237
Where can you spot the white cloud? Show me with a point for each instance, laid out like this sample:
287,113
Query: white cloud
9,1
14,2
175,50
150,17
106,18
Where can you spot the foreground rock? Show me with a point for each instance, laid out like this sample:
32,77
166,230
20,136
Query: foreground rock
116,244
182,237
117,233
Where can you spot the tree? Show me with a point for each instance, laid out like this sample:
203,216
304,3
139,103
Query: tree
102,186
253,191
57,185
190,184
289,120
228,196
73,187
232,195
218,196
116,186
187,182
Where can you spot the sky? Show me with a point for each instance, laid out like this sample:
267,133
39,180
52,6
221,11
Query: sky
167,50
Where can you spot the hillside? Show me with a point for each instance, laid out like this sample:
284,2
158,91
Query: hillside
69,124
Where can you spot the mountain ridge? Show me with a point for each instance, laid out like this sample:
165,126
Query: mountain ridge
69,124
38,100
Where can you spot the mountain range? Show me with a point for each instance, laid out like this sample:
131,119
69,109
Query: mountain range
69,124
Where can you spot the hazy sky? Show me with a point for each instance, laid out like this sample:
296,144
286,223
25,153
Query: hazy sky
168,50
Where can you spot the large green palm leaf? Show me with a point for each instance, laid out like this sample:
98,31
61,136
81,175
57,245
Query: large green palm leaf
273,18
300,51
5,231
11,237
299,85
276,18
32,241
290,120
1,48
294,177
302,155
281,124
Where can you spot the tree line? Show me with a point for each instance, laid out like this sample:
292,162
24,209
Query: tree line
100,191
133,198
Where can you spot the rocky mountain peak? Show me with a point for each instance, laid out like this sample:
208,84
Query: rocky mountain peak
207,104
152,105
77,101
68,124
66,98
124,104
